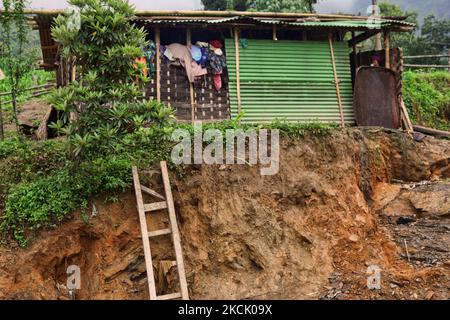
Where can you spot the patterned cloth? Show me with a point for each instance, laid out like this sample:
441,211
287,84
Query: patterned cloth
150,57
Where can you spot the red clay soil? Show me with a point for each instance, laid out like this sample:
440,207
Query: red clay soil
339,204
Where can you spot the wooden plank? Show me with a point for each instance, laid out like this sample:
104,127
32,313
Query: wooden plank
433,132
158,233
158,63
155,206
191,85
408,124
145,236
170,296
362,37
336,80
238,69
152,192
175,232
426,66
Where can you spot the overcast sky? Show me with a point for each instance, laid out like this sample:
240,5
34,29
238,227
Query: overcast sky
324,6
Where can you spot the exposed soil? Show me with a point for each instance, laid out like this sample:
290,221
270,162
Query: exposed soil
338,205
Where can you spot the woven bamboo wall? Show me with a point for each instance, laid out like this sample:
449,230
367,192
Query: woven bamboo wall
210,104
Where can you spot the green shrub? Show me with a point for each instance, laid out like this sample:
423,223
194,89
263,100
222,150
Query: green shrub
427,97
48,199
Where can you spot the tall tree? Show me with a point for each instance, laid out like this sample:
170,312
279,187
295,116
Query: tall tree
107,99
261,5
281,5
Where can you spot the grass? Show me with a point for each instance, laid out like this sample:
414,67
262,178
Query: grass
427,97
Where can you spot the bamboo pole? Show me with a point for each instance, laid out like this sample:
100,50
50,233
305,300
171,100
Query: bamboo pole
387,49
2,134
158,63
448,60
191,85
336,79
355,53
238,69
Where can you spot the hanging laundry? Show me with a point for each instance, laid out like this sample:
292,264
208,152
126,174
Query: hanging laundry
204,60
168,54
196,53
202,44
183,54
198,70
218,81
216,62
216,46
141,61
244,43
149,53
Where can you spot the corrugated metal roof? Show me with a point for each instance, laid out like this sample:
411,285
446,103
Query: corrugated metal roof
370,23
309,22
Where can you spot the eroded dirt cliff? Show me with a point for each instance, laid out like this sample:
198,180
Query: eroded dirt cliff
339,204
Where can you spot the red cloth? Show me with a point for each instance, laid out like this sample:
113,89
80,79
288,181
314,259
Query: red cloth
218,81
216,44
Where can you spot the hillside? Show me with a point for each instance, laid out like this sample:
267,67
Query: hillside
424,7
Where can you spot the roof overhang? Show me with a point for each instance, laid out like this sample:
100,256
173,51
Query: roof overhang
236,18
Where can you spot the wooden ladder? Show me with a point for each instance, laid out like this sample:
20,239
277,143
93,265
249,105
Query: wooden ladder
166,203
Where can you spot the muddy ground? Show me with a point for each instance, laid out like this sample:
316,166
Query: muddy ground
340,204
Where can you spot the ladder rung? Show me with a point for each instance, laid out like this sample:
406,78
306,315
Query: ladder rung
151,192
155,206
159,232
169,296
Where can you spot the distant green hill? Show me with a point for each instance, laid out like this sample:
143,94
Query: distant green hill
440,8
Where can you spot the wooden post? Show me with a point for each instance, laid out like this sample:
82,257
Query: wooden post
448,60
158,63
355,53
336,80
238,69
175,232
2,135
274,33
145,236
191,85
387,49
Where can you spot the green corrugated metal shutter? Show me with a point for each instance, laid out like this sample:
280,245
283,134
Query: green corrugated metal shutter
290,80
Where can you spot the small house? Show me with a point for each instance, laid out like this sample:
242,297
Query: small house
292,66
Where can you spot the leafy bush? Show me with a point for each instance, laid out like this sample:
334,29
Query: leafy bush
107,101
48,199
427,97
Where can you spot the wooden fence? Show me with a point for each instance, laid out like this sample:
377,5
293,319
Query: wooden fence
428,66
36,91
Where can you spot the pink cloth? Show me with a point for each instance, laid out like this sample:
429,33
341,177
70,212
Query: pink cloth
197,69
218,81
183,54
